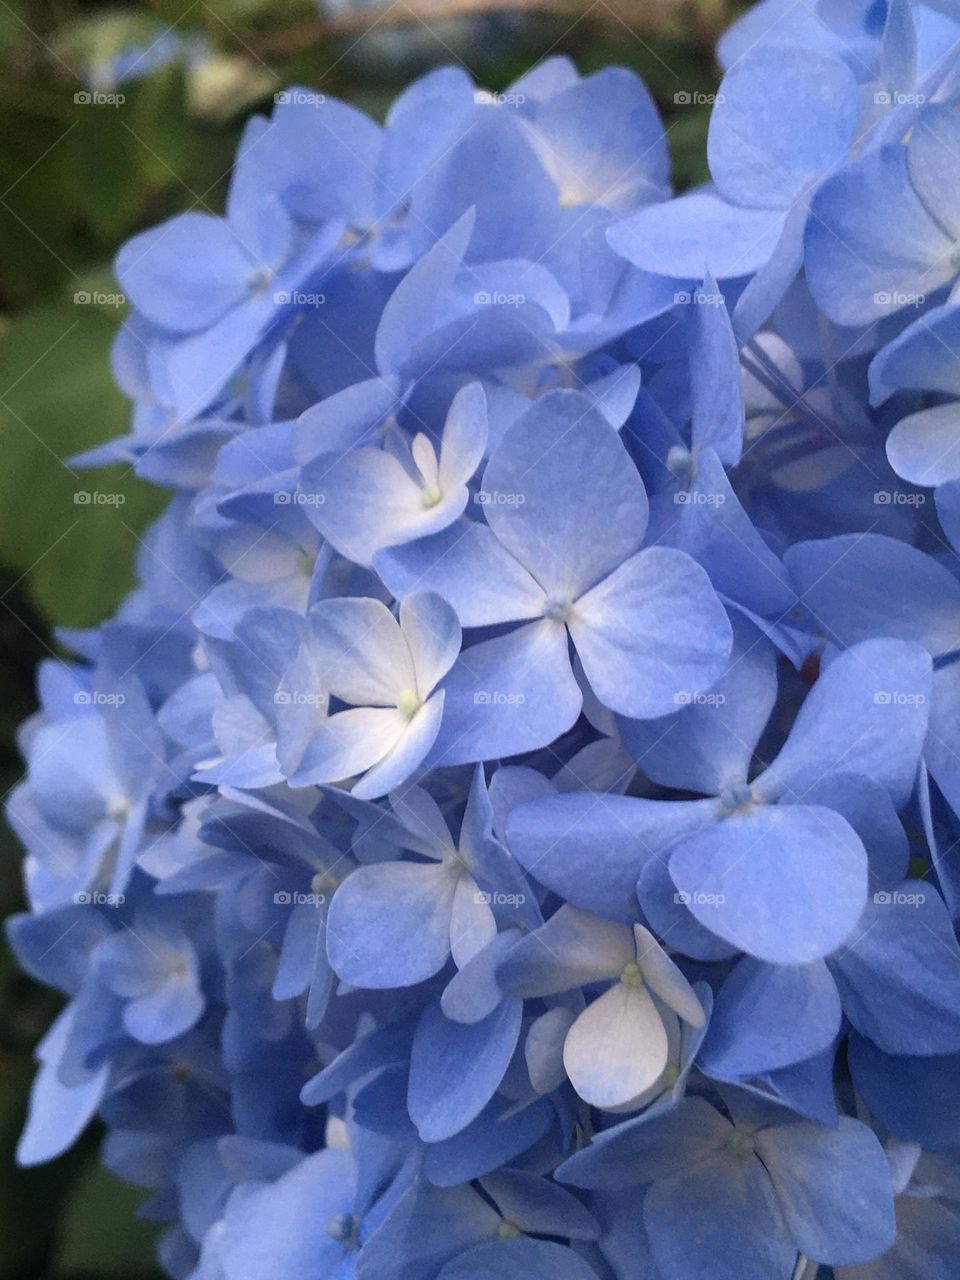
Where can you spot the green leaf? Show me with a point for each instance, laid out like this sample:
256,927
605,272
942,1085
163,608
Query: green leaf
75,553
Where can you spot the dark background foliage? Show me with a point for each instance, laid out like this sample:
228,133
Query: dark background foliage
75,180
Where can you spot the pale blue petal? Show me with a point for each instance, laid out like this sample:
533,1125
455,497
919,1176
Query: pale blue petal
867,713
511,694
591,849
468,567
697,233
431,629
784,883
563,495
361,652
389,924
349,743
639,663
924,447
862,585
784,116
709,743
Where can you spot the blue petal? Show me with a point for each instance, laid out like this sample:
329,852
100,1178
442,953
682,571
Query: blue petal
656,1144
697,233
716,530
834,1188
720,1219
518,1260
900,975
325,152
932,162
769,1016
346,419
591,849
468,567
389,924
571,950
431,630
563,495
282,1229
666,912
636,662
473,993
861,267
867,713
922,447
498,1136
784,883
862,585
412,308
784,116
539,1206
915,1098
426,1227
715,379
602,142
460,180
58,1112
455,1067
709,743
920,358
511,694
185,273
869,810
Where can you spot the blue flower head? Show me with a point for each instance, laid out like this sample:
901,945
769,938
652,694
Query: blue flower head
510,829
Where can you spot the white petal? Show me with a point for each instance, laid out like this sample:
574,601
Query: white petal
472,925
617,1047
664,978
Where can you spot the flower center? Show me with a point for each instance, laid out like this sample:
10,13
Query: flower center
258,282
508,1231
630,975
408,703
430,495
323,882
737,798
741,1143
557,608
343,1227
680,463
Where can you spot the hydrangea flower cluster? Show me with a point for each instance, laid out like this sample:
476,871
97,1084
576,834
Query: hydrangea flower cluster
511,829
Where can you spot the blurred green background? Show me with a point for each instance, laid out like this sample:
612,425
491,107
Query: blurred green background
76,178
